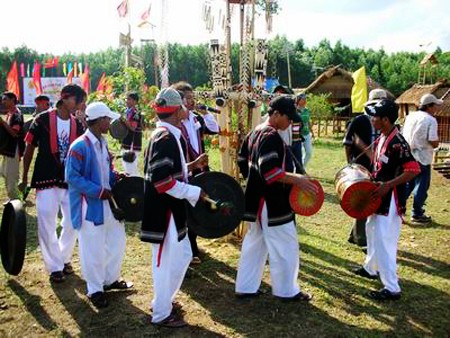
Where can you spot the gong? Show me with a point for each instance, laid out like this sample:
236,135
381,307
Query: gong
128,194
118,129
222,211
13,236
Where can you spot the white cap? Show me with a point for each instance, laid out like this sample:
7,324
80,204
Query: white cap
430,98
376,95
96,110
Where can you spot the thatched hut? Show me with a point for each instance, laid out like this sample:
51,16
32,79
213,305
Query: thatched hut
338,82
443,119
409,100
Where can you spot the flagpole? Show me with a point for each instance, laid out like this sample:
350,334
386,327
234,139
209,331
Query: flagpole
128,48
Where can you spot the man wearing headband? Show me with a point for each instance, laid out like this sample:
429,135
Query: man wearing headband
90,176
164,220
52,132
393,166
262,161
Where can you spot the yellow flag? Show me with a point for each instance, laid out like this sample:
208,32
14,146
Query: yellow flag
359,90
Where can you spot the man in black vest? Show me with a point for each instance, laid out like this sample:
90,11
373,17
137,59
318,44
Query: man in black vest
166,192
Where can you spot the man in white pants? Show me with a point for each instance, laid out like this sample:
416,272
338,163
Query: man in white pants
273,233
393,166
102,238
52,132
164,222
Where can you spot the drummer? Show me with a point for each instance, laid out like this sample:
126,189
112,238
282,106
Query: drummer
393,166
102,238
262,161
164,221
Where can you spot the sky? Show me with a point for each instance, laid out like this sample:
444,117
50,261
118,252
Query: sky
82,26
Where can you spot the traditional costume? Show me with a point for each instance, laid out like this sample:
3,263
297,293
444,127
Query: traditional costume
133,141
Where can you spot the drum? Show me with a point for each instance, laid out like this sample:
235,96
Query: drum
305,203
118,129
354,187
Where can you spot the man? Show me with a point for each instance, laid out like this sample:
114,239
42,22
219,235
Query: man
90,176
52,132
361,128
194,126
42,104
164,221
393,166
420,131
306,130
262,161
12,147
133,141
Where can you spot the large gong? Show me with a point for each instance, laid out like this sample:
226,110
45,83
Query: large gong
225,209
128,194
13,237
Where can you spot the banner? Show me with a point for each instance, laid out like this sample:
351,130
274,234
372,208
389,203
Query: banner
51,86
359,90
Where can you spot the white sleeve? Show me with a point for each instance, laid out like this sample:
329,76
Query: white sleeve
182,190
211,123
433,131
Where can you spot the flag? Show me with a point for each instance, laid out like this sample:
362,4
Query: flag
359,90
28,70
101,87
65,69
80,69
12,80
146,14
51,62
75,69
69,77
122,9
22,69
85,81
37,78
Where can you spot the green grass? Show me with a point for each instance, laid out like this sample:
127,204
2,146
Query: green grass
30,306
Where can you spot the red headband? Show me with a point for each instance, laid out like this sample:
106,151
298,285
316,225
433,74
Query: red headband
165,109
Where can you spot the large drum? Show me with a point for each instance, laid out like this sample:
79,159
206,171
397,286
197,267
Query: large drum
354,187
305,203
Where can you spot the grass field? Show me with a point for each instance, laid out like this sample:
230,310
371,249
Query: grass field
30,306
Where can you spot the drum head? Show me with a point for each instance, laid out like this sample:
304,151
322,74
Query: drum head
305,203
118,129
209,223
13,237
128,193
357,201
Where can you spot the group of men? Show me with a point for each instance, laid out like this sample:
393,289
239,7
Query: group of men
74,172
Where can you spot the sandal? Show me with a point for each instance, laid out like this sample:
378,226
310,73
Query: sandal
98,299
303,296
196,261
172,322
119,285
57,277
68,269
385,294
176,306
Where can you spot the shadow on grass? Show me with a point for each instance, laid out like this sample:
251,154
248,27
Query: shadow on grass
424,264
432,225
33,305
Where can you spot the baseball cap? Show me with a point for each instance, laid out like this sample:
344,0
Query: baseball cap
376,95
383,108
282,90
430,98
97,110
167,101
286,106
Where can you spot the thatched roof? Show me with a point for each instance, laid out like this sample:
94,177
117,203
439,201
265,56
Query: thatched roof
334,80
445,110
429,58
412,95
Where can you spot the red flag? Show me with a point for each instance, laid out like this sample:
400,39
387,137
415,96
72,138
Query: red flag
101,87
37,78
51,62
12,80
146,14
85,81
122,9
69,77
22,69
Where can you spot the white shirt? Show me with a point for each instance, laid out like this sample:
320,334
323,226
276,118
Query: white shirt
63,132
102,155
181,190
419,129
192,126
286,135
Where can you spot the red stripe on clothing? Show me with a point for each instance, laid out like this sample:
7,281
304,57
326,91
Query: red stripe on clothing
73,130
272,175
164,185
53,132
411,166
168,214
29,138
77,155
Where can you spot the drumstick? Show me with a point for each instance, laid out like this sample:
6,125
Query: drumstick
211,201
114,202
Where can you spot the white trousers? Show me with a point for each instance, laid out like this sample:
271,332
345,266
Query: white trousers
55,251
9,169
281,244
167,278
307,145
383,233
131,168
102,248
